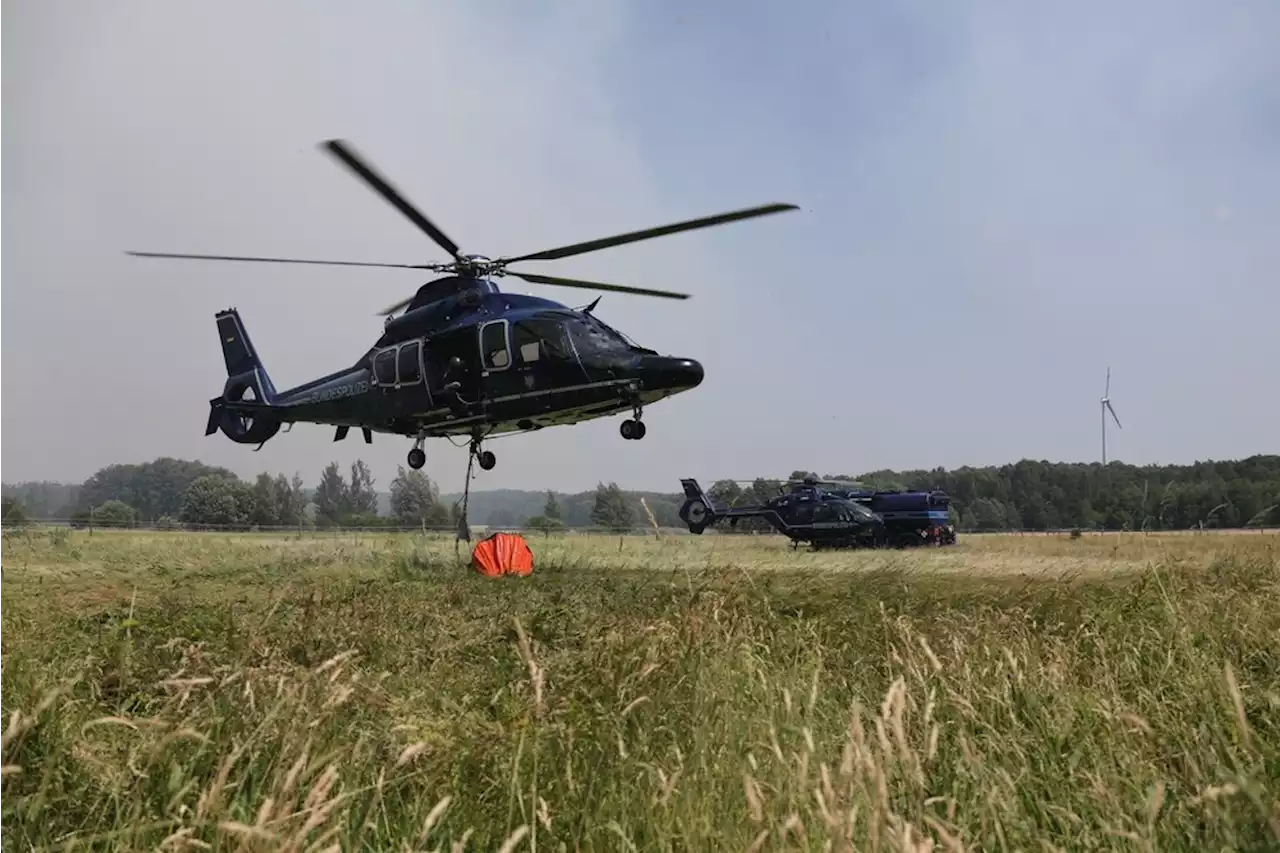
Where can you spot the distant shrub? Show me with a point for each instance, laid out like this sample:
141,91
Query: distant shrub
13,512
115,513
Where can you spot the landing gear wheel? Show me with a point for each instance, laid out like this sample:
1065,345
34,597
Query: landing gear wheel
417,458
632,430
485,457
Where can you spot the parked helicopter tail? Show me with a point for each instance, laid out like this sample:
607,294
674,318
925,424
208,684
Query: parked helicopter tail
698,512
244,412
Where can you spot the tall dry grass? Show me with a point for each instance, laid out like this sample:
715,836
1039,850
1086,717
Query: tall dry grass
215,692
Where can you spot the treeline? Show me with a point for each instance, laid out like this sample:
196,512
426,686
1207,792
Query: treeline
1027,495
607,505
172,493
1032,495
180,493
175,492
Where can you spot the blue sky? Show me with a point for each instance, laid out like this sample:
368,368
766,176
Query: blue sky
998,200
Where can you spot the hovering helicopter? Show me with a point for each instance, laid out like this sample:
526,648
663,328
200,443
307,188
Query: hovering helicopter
846,516
464,358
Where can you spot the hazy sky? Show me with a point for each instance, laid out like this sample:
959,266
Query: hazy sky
998,200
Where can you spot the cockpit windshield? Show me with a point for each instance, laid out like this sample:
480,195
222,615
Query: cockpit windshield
610,330
599,336
858,509
589,334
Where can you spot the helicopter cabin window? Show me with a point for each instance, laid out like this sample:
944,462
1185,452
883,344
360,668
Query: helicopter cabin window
384,367
826,513
408,363
803,513
494,351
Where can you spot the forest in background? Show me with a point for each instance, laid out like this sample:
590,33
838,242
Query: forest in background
1027,495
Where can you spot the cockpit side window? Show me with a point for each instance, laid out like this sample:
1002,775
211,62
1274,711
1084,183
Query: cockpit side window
537,340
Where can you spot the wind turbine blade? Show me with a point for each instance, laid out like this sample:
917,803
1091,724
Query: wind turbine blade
1111,409
1108,391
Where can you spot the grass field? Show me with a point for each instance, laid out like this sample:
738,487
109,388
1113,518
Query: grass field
1034,693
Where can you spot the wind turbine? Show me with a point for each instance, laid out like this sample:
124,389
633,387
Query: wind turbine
1106,405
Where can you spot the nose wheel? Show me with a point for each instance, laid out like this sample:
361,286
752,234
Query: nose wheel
632,429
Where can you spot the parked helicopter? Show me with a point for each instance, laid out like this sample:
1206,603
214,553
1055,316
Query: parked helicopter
840,517
464,358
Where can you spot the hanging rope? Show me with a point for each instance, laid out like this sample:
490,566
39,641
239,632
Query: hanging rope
464,529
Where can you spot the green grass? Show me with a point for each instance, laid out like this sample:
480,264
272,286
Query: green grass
714,693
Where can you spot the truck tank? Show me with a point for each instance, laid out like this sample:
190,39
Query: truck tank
919,517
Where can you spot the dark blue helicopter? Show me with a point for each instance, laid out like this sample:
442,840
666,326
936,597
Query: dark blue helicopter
841,517
464,358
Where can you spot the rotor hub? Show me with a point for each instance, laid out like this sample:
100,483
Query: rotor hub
474,265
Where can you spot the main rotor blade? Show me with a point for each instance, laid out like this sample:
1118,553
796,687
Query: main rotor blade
594,285
563,282
280,260
396,307
342,150
1113,414
649,233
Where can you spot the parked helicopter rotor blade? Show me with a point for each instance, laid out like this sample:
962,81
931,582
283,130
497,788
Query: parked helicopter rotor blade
648,233
594,285
343,152
281,260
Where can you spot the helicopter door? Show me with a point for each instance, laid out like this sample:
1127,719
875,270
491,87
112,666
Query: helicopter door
384,368
410,365
497,379
825,515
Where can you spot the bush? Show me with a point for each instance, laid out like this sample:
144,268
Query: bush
13,512
115,514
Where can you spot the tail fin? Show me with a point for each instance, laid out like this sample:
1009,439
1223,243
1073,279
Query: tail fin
243,412
240,356
697,512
